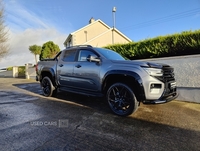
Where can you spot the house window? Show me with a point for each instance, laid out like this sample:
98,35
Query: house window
69,43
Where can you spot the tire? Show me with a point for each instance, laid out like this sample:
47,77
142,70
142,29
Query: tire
47,87
121,99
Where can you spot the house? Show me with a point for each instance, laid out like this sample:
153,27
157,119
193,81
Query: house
97,34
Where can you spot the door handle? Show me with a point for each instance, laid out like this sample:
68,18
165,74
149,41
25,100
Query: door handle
78,66
61,65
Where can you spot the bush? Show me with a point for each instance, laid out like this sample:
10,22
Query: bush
185,43
21,71
9,68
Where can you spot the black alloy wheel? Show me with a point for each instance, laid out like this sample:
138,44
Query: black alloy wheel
47,87
121,99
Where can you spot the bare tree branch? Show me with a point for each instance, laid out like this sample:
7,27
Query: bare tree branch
4,48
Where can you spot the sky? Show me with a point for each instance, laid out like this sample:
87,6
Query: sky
32,22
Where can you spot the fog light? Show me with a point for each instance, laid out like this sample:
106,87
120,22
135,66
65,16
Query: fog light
155,88
158,86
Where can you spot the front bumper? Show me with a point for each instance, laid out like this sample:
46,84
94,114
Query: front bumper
162,99
161,92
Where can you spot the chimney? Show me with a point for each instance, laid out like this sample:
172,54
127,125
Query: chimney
91,20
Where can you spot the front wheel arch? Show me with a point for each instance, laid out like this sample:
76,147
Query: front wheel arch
134,82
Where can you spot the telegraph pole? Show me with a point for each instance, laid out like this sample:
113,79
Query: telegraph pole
113,12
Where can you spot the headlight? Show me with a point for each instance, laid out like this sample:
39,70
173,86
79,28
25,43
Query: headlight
154,71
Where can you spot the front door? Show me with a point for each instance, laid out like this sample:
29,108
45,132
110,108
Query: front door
86,74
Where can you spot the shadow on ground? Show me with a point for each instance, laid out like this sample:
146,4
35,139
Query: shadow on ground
92,102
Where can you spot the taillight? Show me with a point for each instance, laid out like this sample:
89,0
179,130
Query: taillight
36,67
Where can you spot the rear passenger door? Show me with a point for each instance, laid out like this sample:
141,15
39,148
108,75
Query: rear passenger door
65,68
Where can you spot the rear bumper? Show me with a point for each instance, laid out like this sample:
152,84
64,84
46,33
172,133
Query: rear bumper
162,99
36,78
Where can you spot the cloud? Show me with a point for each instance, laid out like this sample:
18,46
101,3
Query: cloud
27,28
19,43
19,18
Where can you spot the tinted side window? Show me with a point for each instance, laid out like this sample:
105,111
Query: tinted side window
83,54
69,55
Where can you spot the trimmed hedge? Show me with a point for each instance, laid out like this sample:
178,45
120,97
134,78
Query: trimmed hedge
185,43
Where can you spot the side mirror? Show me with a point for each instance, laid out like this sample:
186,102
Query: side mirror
93,58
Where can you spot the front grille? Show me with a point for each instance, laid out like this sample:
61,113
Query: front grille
168,78
168,74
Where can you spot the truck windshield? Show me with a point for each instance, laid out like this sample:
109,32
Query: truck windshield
109,54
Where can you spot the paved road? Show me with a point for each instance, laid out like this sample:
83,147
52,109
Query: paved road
29,121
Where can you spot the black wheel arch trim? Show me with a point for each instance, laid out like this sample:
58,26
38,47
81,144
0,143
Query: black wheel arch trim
140,94
51,72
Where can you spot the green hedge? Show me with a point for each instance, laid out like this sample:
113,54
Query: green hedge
21,71
185,43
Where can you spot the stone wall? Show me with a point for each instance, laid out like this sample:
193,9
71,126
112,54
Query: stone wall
187,69
187,74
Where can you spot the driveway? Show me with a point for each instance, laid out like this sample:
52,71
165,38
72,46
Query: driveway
30,121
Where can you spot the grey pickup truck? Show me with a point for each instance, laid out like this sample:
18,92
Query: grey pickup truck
104,73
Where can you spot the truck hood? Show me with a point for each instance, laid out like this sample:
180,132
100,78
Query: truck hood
140,63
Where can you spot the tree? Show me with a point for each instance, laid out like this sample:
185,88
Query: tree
3,33
36,50
49,50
